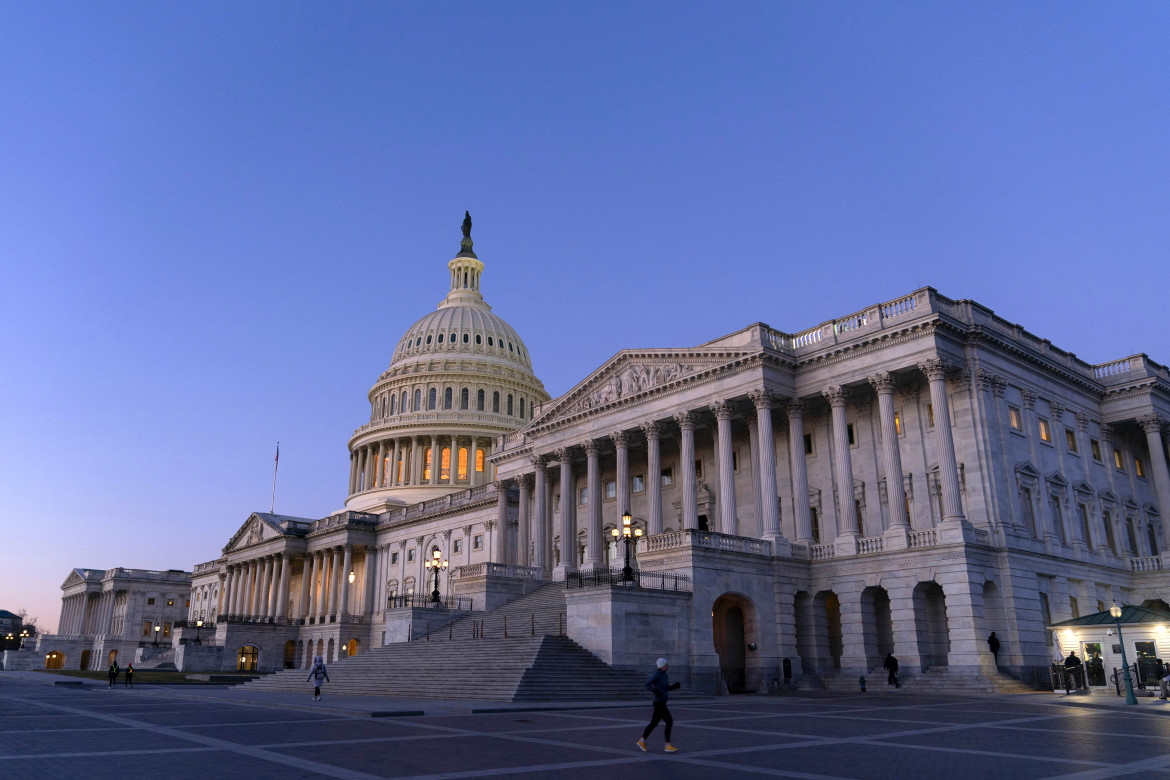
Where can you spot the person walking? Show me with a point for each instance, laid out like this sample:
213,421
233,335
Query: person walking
993,646
113,673
129,676
891,666
318,675
659,684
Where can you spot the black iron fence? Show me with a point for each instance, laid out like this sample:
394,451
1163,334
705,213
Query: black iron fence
654,580
423,600
191,624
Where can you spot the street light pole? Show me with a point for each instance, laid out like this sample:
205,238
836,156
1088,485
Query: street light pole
156,630
1115,611
436,563
198,628
628,534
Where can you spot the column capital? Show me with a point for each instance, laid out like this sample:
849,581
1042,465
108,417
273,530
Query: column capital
537,461
882,383
564,455
835,395
447,533
487,525
761,398
1028,395
721,409
524,481
651,430
795,409
620,438
934,368
1057,411
502,485
685,420
592,447
1151,423
1082,421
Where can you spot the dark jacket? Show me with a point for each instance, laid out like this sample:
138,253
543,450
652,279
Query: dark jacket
891,664
659,685
993,643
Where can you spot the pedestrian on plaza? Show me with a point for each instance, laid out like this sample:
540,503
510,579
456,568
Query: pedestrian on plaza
1072,670
659,684
129,676
319,675
891,666
113,673
993,646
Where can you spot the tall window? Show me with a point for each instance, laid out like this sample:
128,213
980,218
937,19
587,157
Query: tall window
417,400
427,464
816,524
496,402
1153,539
1026,511
1139,467
462,463
1014,419
479,460
1131,536
1070,439
860,517
1083,512
464,398
393,399
479,400
447,397
1118,460
521,407
509,404
1045,434
432,398
1107,521
1058,520
445,464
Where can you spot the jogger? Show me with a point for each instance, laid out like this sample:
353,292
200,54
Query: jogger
661,687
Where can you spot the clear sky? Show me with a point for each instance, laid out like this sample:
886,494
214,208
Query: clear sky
216,220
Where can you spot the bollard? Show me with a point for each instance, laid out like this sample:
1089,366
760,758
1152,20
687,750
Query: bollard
534,624
505,626
861,682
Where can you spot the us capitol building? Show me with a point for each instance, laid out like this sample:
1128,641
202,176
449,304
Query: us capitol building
906,478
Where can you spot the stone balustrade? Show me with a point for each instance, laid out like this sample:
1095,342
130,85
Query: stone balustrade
822,552
1146,563
506,570
870,545
708,539
927,538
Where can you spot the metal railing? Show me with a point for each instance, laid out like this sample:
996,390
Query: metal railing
423,601
652,580
191,624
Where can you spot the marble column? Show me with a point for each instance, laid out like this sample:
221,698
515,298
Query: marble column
690,508
266,587
336,576
306,580
948,470
472,474
728,514
766,445
568,562
322,588
371,467
846,509
1152,425
523,527
500,535
282,594
621,443
540,521
225,592
369,580
883,383
380,466
346,567
395,478
796,456
593,543
436,457
352,472
653,433
418,458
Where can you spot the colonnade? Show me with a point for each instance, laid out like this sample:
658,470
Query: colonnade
260,588
401,461
536,524
86,613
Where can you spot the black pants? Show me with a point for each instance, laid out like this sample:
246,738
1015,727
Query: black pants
893,679
660,714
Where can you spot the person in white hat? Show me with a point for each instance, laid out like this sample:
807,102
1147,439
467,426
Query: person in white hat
659,684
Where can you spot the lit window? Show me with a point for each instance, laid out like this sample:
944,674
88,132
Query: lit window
1045,434
639,484
170,602
1118,460
584,499
667,477
427,464
1095,448
462,463
898,422
146,628
479,460
1014,419
477,543
1070,439
1139,468
445,463
930,415
166,632
611,489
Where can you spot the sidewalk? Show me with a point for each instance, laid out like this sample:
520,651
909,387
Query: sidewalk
1107,699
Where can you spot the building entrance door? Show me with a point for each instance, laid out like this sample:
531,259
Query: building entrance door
1094,664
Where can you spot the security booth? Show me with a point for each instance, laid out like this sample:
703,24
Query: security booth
1096,643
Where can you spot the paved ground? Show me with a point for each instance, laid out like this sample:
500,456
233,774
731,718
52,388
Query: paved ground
50,731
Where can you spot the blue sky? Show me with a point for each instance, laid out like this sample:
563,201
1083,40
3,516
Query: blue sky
216,220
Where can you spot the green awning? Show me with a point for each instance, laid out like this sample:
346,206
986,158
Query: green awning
1130,615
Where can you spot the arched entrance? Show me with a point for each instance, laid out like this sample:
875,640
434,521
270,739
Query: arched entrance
290,654
248,658
832,609
930,622
877,626
818,632
55,660
728,625
330,658
85,654
994,617
352,648
113,657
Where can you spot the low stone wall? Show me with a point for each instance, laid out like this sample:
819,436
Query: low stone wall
409,624
630,627
199,658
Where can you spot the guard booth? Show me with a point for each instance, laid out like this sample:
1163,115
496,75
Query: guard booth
1145,633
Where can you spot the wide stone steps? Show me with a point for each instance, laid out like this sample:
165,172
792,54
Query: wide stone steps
934,680
534,614
538,668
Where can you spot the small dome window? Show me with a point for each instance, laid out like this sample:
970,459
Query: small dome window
418,341
453,339
491,343
478,339
428,339
509,346
440,338
466,338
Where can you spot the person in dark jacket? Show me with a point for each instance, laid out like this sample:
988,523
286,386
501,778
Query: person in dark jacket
113,673
319,675
993,646
661,687
129,676
891,666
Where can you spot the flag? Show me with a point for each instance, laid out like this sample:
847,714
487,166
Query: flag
277,463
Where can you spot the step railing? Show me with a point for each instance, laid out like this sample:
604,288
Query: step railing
652,580
424,601
486,628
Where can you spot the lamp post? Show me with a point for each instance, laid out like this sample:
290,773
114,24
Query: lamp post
352,576
23,636
436,563
157,628
627,534
198,628
1115,611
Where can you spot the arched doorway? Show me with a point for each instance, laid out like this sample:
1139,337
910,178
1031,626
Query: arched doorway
290,654
329,657
877,626
818,632
85,654
55,660
832,609
930,622
994,617
113,657
727,623
352,648
248,658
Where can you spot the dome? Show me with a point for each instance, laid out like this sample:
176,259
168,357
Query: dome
459,378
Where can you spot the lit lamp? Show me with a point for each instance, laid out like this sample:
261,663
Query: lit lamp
156,630
352,576
629,535
198,628
436,562
1115,611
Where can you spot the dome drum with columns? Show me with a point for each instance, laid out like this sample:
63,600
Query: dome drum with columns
459,377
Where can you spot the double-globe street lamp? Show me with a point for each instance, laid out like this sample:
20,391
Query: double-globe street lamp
198,628
436,562
1115,611
629,535
157,628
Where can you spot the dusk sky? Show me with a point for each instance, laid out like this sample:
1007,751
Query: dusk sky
217,220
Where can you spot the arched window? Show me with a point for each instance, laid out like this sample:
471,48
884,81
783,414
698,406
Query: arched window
466,338
441,338
464,398
462,463
428,338
479,460
452,338
447,394
510,346
418,341
521,407
479,400
402,404
464,280
432,399
491,342
496,402
509,404
393,401
417,400
445,464
478,338
427,464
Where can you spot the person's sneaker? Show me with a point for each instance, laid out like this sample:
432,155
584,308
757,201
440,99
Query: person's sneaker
642,745
670,748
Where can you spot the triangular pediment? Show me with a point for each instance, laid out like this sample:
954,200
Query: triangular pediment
255,529
1108,495
74,578
1027,469
636,373
1083,488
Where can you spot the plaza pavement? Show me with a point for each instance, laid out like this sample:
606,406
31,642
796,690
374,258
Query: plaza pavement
211,733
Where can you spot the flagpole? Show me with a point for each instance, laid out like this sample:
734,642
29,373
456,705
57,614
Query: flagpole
275,466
